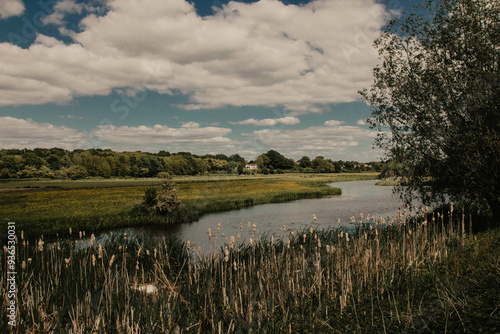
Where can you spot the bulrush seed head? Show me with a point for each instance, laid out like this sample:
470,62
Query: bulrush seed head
40,245
111,261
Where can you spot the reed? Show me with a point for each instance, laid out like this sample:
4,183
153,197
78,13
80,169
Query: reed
377,275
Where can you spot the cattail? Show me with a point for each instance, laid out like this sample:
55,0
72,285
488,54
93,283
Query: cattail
137,265
250,241
5,249
304,237
67,262
111,261
155,252
218,227
23,265
235,266
209,234
188,244
311,230
360,217
232,242
314,216
241,227
70,231
238,236
248,225
22,235
347,237
226,254
147,252
92,239
99,251
29,260
328,248
93,260
80,234
254,227
284,229
40,245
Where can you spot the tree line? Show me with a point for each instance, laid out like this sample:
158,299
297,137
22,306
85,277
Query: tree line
77,164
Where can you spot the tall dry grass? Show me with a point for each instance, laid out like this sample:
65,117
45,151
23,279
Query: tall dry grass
365,278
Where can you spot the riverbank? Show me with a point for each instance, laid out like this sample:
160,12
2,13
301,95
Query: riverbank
422,276
53,207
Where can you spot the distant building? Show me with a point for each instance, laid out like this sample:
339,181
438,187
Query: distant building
251,166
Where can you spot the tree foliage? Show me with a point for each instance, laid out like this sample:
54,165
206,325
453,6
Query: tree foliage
435,99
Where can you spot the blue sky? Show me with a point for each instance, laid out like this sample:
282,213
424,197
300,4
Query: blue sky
201,76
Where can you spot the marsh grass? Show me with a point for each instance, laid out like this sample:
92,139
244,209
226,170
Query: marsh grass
54,211
404,275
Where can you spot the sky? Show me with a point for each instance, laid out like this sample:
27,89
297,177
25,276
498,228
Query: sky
200,76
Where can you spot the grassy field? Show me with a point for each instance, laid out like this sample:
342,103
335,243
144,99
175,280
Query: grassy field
403,276
50,207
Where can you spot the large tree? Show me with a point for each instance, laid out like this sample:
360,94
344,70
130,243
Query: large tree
436,99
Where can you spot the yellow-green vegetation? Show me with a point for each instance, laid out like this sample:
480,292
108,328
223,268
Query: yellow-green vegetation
97,204
405,275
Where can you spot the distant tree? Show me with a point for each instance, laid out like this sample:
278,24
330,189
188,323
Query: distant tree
237,158
54,162
163,153
239,169
31,159
304,162
76,172
320,165
436,101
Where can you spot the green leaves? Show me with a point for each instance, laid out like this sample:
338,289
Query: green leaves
437,90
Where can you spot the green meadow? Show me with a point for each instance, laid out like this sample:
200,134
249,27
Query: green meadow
51,207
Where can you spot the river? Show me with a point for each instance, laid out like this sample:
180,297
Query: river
281,218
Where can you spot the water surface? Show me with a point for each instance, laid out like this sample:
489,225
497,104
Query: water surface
357,197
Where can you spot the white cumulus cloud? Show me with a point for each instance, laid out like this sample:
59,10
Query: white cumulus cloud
333,140
190,136
264,53
289,120
21,133
9,8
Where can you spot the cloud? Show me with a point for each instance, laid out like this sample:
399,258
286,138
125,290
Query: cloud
331,140
71,116
264,53
21,133
361,122
289,120
9,8
334,123
190,136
